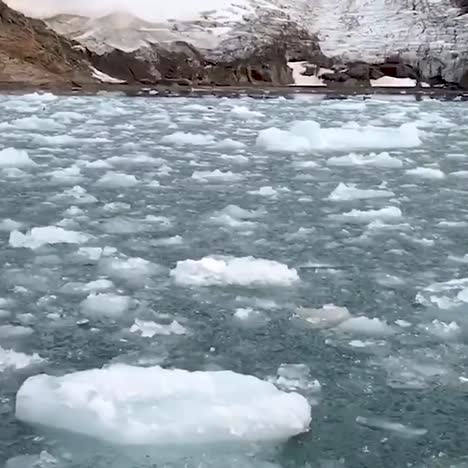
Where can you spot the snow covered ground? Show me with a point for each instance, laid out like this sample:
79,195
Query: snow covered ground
315,249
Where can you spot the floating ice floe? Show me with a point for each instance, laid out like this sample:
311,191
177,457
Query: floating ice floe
397,428
105,305
9,225
305,136
69,175
382,160
247,313
235,217
244,271
296,377
36,123
11,158
426,173
413,372
188,139
10,359
148,329
366,326
266,191
230,144
117,180
447,295
49,235
350,192
216,176
133,269
328,316
244,112
152,406
92,286
78,195
442,330
388,214
14,331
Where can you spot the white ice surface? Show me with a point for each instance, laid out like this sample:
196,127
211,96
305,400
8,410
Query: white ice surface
105,305
137,406
349,192
223,271
10,359
306,136
327,316
366,326
148,329
11,157
39,236
382,160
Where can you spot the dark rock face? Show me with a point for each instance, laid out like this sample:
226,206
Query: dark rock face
463,5
29,50
396,69
181,61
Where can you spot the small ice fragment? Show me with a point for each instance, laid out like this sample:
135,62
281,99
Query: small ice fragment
245,313
117,180
295,377
216,176
366,326
442,330
350,192
188,139
426,173
398,428
382,160
149,329
328,316
403,323
243,112
105,305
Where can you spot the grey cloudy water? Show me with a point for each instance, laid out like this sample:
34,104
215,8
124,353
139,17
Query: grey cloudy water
370,215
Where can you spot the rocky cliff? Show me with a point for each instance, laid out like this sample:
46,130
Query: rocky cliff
32,53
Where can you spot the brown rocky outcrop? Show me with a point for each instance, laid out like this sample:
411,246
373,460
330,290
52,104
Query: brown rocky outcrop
32,53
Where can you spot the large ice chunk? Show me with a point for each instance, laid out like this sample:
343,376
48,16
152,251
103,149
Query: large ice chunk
11,157
135,406
39,236
305,136
243,271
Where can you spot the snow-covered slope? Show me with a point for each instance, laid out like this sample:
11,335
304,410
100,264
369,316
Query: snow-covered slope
429,34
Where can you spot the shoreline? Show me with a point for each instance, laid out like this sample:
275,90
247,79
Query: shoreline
234,91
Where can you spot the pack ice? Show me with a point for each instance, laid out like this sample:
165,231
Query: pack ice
136,406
